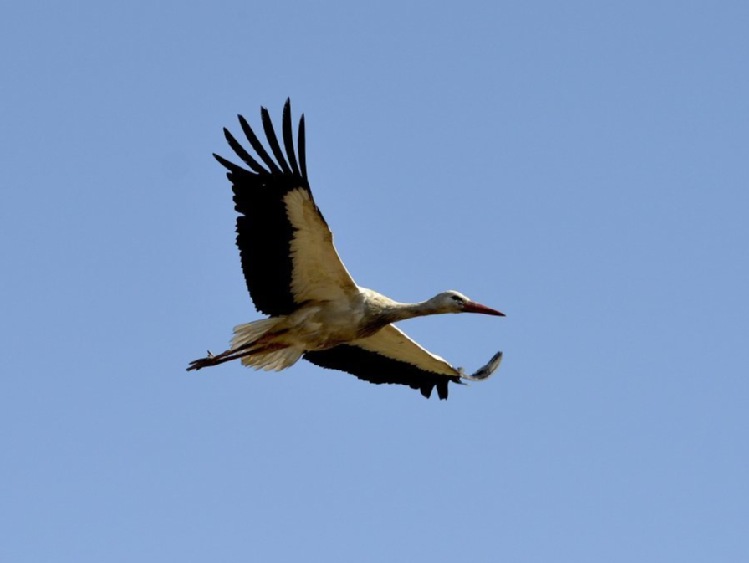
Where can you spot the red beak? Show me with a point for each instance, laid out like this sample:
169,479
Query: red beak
473,307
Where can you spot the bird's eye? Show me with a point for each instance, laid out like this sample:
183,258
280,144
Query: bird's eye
457,298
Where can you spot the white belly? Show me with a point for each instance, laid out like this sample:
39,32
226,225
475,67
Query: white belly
326,324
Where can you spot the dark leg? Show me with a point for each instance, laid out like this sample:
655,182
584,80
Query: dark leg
246,350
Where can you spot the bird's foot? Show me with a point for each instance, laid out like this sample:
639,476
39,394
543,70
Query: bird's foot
216,359
209,360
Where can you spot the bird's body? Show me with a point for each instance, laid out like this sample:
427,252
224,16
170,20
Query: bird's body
295,276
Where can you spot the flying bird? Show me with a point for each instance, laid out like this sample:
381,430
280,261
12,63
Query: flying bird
294,275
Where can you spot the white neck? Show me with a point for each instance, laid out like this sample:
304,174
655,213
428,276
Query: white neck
395,311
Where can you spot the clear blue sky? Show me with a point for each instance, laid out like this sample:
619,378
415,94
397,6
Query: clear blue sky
581,166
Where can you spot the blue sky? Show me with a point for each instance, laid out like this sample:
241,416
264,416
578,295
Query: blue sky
581,166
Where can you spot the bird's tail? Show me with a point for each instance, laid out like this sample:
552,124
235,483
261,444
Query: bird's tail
265,349
249,333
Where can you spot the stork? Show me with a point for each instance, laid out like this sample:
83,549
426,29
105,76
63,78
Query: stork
294,275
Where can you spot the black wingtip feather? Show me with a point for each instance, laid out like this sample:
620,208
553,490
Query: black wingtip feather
230,166
270,134
302,148
288,136
257,146
243,154
284,161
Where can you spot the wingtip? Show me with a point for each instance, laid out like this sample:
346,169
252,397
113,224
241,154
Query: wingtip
225,163
486,371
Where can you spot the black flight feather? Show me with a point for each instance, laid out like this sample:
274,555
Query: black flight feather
243,154
301,141
257,146
288,136
378,369
270,134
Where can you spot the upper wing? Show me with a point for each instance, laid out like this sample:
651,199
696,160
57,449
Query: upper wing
389,356
285,244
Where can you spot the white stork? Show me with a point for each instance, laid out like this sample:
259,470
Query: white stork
294,275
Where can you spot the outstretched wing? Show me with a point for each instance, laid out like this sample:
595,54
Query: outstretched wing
287,251
389,356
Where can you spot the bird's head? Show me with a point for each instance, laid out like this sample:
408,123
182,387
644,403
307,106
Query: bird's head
454,302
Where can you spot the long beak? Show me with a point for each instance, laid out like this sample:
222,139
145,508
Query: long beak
473,307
